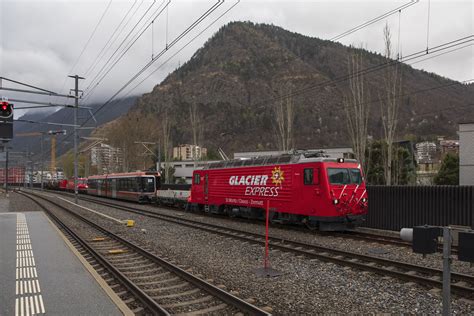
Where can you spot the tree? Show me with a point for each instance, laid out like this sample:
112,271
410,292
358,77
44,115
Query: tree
390,104
166,137
357,108
448,174
284,117
195,120
375,173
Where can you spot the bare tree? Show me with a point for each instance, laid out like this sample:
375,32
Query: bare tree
284,115
196,127
166,137
357,108
390,104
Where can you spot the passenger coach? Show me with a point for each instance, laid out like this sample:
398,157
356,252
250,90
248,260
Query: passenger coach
135,186
303,188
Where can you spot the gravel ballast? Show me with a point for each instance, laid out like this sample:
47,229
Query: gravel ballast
305,286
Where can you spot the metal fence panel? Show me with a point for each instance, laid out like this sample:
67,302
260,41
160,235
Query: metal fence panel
395,207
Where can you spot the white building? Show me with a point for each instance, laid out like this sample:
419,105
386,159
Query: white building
189,152
466,153
184,169
108,159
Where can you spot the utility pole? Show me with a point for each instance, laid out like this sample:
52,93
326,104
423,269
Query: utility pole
42,163
6,169
148,151
76,104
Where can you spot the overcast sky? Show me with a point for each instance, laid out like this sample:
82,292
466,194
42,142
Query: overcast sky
40,41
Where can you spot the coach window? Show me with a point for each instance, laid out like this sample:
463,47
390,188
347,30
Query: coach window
308,176
197,178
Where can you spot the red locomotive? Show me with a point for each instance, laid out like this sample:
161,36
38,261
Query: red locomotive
81,185
307,188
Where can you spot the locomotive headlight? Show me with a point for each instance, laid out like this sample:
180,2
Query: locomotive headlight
340,160
336,202
364,200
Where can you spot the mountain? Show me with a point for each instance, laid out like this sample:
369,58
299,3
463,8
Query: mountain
235,80
62,116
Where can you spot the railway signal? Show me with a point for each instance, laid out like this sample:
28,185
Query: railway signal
6,120
6,109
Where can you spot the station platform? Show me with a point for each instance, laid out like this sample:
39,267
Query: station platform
41,274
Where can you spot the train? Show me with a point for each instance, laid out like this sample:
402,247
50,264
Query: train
68,185
139,187
311,189
306,188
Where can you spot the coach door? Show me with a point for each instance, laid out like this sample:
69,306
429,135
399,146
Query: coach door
114,188
206,186
312,190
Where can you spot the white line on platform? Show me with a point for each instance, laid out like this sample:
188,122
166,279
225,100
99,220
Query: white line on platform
90,210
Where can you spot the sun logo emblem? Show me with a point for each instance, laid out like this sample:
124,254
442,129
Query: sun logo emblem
277,176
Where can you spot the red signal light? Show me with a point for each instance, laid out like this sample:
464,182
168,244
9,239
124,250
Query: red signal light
6,110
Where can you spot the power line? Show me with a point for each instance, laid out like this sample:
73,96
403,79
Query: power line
130,45
374,20
110,38
175,41
91,36
118,48
183,47
388,63
171,44
444,53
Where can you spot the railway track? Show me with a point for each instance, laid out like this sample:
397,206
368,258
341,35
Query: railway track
354,235
147,283
462,284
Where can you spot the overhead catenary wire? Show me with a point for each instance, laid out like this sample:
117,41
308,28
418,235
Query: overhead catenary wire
103,50
98,74
346,33
92,86
171,44
388,63
378,67
86,45
183,47
174,42
91,36
428,26
374,20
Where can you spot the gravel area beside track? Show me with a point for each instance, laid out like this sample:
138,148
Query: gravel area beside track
306,286
16,203
394,252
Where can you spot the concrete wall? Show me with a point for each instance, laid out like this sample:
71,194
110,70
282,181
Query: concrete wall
466,154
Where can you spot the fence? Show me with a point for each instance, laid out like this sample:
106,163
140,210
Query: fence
395,207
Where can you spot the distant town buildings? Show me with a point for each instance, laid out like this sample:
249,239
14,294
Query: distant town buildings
189,152
466,153
426,153
429,156
106,158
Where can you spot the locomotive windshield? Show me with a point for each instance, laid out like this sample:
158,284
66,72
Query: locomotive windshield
344,176
148,184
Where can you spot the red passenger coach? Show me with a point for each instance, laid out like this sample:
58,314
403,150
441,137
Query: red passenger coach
302,188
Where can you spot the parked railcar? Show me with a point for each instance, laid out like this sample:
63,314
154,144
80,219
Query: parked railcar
81,185
306,188
134,186
175,195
